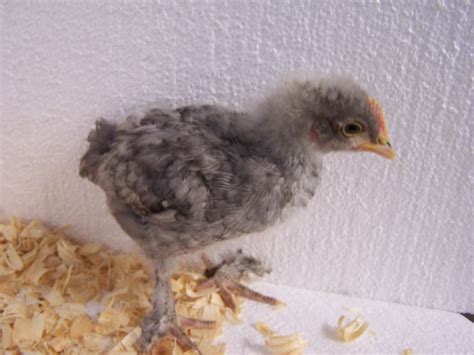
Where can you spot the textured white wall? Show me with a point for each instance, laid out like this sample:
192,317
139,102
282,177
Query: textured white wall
399,231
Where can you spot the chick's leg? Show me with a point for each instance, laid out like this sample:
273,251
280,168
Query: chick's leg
227,274
163,320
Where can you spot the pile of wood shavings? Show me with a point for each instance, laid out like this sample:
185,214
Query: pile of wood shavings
60,297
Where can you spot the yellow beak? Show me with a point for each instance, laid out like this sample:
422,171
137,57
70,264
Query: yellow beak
384,150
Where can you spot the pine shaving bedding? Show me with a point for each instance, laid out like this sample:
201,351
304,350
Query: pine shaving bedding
61,297
57,296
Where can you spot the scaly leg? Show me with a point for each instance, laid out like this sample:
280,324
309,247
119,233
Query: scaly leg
163,320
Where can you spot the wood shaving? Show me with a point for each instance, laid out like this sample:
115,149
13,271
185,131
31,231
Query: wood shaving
350,330
292,344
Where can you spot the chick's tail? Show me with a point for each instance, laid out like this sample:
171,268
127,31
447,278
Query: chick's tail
100,141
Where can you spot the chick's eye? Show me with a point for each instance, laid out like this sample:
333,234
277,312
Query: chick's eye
352,128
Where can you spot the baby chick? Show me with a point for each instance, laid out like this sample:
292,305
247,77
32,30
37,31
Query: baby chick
179,180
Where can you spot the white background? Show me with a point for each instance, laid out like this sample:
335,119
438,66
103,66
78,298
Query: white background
398,231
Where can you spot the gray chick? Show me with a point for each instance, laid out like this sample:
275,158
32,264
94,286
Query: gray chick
179,180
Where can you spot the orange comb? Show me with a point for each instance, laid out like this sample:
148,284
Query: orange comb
379,115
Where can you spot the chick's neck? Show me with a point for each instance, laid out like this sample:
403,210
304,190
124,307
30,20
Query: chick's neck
283,124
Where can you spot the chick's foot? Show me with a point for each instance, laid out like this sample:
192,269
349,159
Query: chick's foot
228,273
155,333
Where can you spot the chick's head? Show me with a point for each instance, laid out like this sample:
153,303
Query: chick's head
345,118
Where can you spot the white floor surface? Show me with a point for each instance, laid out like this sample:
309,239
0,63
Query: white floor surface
392,327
